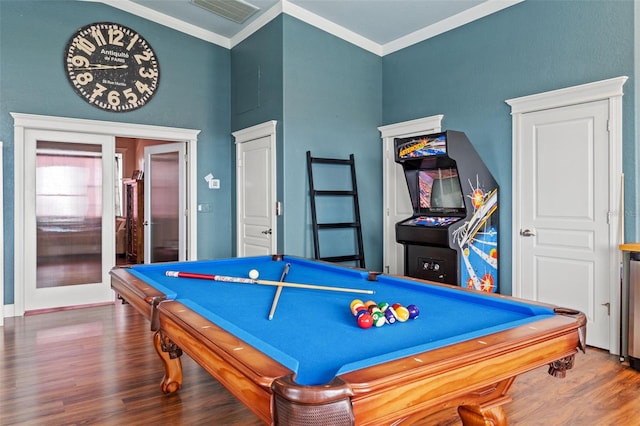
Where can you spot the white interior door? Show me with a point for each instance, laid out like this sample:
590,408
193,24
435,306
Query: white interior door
397,204
69,218
165,203
564,212
256,190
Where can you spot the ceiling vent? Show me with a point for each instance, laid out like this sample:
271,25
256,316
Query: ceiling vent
234,10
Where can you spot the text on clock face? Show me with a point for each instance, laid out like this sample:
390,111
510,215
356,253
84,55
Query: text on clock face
112,67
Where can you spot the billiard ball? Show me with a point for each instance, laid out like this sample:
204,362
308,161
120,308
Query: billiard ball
383,306
414,312
374,308
370,303
378,318
361,312
358,308
402,313
254,274
390,315
365,320
355,302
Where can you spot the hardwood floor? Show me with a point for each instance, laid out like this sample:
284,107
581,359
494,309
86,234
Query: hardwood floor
97,366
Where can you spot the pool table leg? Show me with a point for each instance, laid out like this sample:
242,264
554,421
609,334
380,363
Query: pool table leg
170,354
475,415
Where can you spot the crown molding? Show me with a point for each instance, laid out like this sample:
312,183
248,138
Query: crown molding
330,27
167,21
258,23
473,14
284,6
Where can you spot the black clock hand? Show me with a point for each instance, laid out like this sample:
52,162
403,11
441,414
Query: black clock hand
101,67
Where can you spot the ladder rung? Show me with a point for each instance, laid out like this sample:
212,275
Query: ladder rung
338,259
333,192
339,225
329,160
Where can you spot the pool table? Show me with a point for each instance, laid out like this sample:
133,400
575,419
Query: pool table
312,364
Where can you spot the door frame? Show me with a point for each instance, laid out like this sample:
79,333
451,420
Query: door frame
259,131
392,262
24,122
611,90
1,236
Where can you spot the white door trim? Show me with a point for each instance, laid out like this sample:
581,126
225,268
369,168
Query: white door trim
391,263
1,238
23,122
611,90
266,129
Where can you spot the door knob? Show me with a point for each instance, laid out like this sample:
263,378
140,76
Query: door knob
267,232
527,233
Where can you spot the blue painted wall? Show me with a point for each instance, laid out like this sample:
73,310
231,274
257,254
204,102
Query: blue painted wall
257,92
327,97
332,107
194,93
257,83
535,46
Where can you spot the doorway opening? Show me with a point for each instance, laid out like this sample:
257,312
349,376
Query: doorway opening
28,129
154,187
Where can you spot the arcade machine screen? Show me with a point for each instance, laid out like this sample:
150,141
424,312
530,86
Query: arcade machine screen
439,192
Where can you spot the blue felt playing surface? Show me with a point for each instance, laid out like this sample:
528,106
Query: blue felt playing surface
313,332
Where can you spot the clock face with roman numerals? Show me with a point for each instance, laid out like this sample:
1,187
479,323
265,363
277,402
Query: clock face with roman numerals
111,66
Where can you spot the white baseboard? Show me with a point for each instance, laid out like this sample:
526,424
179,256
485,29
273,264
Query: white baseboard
8,311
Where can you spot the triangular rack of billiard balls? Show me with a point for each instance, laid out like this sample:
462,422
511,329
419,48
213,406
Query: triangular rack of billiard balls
370,313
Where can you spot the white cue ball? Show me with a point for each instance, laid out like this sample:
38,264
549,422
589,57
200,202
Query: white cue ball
254,274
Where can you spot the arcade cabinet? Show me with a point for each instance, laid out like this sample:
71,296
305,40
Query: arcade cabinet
452,236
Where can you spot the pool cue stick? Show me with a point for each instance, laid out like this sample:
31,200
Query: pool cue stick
285,271
177,274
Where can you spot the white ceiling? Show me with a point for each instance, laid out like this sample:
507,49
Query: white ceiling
380,26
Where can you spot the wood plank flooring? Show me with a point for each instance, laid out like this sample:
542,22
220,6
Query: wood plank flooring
96,366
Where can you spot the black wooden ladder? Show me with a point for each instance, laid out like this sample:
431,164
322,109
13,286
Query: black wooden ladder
349,196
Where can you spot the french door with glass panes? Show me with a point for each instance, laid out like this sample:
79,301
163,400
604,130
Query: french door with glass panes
69,224
165,201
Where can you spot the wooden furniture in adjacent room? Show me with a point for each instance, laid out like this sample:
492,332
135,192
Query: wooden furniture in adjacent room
134,205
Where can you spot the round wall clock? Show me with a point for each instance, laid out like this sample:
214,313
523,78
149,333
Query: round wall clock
111,66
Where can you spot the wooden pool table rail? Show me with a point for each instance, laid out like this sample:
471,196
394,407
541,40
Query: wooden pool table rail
474,375
142,296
